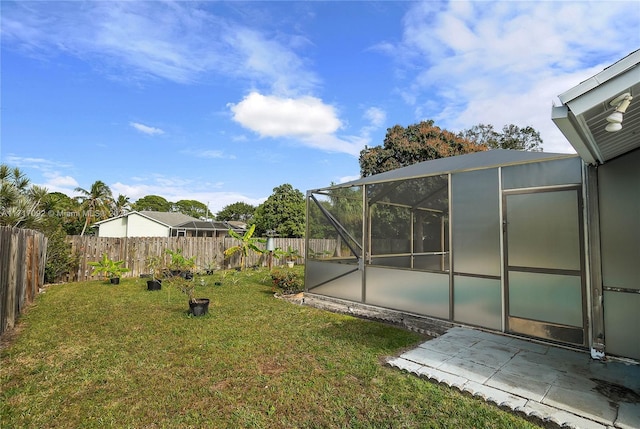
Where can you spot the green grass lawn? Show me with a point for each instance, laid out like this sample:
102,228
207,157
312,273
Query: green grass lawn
96,355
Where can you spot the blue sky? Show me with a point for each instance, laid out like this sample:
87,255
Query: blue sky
223,101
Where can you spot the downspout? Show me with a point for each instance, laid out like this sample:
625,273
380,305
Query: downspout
593,263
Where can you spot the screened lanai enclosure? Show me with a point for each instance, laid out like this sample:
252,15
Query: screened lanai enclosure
540,245
491,239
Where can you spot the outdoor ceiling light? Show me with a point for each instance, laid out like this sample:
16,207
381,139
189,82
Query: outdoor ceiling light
621,103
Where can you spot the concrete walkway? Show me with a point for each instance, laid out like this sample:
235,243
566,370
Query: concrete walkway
558,386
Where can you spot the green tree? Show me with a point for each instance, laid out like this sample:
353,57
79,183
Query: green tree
191,208
20,204
283,212
121,205
27,206
60,260
416,143
239,211
154,203
346,207
511,137
95,203
61,209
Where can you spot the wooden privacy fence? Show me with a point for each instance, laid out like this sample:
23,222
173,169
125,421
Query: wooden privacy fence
209,252
23,254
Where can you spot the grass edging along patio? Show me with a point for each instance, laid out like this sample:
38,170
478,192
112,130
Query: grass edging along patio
91,355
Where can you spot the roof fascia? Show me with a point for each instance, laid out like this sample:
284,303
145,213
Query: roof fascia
605,75
113,218
604,92
567,123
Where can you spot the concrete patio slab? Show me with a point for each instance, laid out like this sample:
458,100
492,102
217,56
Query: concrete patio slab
557,386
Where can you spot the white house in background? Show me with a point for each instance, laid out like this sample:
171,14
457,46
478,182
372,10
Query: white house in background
141,224
161,224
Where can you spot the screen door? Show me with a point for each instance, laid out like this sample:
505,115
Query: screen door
544,275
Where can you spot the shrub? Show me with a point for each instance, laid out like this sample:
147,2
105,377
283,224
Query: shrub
60,259
287,281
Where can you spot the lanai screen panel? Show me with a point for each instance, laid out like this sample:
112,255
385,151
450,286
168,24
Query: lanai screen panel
409,223
548,173
412,291
334,245
476,221
335,225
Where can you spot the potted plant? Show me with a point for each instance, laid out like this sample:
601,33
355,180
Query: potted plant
211,267
290,256
109,269
186,285
155,266
180,265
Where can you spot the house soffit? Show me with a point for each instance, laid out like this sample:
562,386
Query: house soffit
588,105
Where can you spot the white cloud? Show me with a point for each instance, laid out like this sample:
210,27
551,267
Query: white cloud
54,182
54,173
376,116
58,182
272,116
177,189
209,154
505,62
176,41
35,163
152,131
306,120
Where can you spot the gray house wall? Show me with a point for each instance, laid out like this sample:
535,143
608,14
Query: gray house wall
619,204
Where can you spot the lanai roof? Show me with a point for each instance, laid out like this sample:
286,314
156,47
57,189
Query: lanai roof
206,225
467,162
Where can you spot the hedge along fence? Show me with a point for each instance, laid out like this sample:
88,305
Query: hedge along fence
23,254
134,251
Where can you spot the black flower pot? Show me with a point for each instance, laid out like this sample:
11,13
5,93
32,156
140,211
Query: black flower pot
154,285
200,307
115,280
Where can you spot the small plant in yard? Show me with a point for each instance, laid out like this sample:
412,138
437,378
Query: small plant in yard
180,264
247,243
108,268
211,266
155,265
287,281
187,285
290,255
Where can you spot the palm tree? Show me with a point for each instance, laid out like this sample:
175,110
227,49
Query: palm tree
95,201
121,205
20,204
